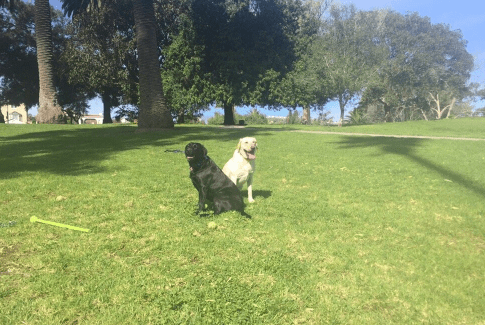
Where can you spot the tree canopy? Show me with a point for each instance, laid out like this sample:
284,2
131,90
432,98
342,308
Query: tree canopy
272,53
243,41
419,62
19,82
101,55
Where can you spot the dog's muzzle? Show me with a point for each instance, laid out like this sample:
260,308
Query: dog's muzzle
251,154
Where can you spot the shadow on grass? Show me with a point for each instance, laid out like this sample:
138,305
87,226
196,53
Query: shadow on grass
73,150
405,147
257,193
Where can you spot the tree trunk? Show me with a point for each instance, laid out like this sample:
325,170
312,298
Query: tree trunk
2,118
228,114
154,112
450,107
425,117
107,105
342,109
306,119
387,113
181,117
49,111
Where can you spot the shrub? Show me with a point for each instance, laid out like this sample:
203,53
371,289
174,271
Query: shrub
255,117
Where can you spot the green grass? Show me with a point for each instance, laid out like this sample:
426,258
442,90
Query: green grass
345,229
463,128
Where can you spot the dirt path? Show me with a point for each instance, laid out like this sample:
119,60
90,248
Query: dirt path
390,136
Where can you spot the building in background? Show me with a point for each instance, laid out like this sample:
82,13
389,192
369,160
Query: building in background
91,119
98,119
15,114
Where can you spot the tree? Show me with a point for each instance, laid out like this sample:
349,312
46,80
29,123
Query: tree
187,87
356,117
217,119
71,96
438,108
49,111
255,117
347,62
19,81
419,60
293,117
481,93
10,4
463,109
18,57
323,118
479,112
243,41
302,84
153,112
100,56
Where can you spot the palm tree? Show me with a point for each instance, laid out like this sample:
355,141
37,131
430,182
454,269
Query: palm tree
154,112
49,111
153,108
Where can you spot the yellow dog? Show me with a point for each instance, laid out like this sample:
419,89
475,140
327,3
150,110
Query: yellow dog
240,168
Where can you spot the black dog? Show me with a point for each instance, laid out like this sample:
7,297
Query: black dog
213,185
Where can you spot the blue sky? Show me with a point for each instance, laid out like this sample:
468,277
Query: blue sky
466,15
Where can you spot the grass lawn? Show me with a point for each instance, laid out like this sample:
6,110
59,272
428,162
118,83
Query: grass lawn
463,128
346,229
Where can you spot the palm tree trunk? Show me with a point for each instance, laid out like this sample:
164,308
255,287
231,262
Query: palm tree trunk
154,112
49,111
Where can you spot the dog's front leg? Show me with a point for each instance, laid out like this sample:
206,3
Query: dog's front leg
202,198
201,201
201,191
250,189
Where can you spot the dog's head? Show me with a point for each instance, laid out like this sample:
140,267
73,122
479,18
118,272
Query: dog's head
247,147
195,152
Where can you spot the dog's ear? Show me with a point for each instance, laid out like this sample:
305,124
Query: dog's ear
204,150
239,144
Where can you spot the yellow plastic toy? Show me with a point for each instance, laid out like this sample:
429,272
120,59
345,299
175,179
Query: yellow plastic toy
35,219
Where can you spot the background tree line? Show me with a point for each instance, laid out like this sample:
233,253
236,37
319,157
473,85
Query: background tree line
277,54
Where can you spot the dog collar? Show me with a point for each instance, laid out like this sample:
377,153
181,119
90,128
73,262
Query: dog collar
199,164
